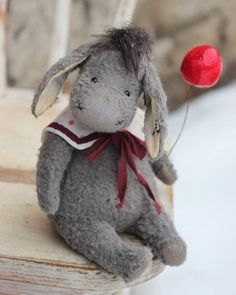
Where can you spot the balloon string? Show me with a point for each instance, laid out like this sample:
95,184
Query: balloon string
189,92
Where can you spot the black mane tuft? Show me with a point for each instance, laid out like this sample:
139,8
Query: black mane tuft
132,42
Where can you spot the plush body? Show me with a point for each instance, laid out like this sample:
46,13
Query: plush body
80,196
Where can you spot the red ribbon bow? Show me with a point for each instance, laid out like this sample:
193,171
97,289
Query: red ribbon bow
127,145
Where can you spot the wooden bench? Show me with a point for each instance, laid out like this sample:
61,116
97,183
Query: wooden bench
33,258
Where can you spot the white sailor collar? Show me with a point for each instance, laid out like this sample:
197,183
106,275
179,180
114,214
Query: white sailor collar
67,127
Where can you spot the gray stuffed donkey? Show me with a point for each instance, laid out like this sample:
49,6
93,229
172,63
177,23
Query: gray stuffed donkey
94,179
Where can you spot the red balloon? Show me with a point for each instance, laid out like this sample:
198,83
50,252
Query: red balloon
202,66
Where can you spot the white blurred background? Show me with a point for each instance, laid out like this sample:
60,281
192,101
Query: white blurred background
205,198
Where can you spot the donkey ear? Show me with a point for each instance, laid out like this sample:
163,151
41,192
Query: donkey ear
50,86
156,112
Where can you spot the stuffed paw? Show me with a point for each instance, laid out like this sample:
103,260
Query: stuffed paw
174,254
50,208
164,170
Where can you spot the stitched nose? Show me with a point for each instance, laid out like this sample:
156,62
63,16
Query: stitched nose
119,122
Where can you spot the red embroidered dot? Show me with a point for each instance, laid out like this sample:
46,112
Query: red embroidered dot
71,122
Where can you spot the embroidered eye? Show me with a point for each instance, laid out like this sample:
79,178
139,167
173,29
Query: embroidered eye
94,80
127,93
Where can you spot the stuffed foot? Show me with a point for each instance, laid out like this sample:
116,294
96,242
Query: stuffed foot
135,263
174,254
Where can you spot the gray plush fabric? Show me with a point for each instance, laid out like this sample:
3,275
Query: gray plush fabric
164,170
80,196
105,103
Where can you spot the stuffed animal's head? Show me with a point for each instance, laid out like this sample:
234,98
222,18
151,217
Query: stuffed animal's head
113,72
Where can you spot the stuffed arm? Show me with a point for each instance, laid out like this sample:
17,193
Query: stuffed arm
164,169
54,157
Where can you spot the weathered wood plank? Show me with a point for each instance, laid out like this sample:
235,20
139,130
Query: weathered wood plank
20,132
60,30
124,12
15,288
3,74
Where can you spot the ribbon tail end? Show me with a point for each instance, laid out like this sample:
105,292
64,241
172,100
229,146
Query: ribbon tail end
158,208
121,204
